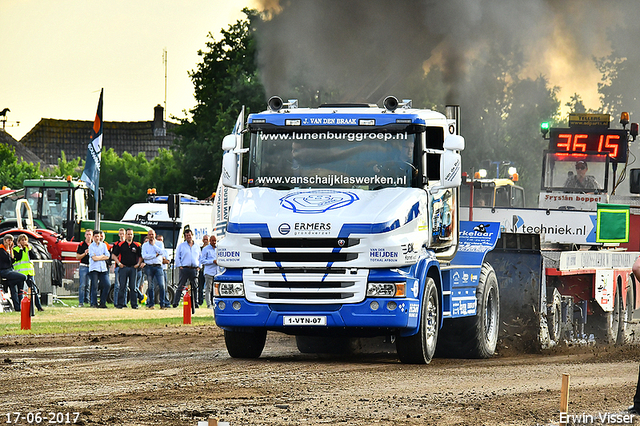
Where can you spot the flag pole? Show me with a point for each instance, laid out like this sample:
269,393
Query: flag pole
91,173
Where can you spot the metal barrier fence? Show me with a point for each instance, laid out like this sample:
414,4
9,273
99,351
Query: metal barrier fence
71,279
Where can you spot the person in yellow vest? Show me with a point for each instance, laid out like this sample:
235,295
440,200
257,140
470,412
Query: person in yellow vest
22,255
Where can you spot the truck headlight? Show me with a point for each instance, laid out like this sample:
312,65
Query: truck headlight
228,289
386,290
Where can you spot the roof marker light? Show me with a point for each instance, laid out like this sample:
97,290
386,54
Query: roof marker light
544,128
624,119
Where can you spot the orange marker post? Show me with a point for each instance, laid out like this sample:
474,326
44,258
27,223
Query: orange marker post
186,308
25,313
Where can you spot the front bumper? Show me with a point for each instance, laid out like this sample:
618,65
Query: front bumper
238,313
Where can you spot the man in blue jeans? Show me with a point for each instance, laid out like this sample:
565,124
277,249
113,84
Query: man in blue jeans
188,264
152,256
82,255
128,259
98,255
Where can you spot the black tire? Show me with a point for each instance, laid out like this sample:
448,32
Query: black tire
554,314
39,249
326,345
241,344
626,317
168,294
606,324
110,297
484,326
420,348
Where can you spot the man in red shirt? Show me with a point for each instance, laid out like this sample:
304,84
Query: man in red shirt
128,258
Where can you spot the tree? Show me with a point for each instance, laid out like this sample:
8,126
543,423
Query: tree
12,173
502,115
225,80
618,88
126,179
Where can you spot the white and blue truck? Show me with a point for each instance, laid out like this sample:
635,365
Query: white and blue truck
344,224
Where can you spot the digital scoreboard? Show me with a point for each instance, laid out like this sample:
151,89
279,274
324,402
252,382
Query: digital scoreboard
612,142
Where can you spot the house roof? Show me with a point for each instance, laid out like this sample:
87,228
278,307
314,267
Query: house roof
51,136
22,152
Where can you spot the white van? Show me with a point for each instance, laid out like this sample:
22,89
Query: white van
194,213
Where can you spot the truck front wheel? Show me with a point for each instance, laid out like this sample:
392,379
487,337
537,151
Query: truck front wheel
241,344
419,348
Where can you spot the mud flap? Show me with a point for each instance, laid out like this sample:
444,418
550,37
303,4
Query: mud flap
517,261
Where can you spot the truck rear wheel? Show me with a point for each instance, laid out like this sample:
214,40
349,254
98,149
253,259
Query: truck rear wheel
483,327
419,348
475,336
242,344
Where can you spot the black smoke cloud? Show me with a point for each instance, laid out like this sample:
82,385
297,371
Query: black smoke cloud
363,50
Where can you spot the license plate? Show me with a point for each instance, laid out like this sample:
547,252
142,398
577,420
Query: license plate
304,320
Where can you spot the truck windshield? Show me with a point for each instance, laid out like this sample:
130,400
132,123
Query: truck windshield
575,172
50,206
8,205
321,159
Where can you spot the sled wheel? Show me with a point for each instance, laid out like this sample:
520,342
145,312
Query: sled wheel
554,315
626,317
242,344
419,348
606,324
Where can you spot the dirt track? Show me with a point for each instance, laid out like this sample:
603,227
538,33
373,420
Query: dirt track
179,375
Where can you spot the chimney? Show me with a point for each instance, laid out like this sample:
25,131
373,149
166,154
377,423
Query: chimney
159,126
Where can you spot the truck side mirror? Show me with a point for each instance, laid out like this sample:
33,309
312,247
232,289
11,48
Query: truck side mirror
230,170
450,171
454,143
229,142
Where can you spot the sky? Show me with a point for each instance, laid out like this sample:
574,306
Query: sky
55,56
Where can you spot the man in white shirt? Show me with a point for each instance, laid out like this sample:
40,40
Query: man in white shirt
152,256
98,255
188,263
209,261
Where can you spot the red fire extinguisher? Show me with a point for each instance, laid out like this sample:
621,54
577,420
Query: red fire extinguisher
186,307
25,313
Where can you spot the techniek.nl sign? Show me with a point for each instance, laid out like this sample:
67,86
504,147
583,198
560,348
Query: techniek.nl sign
554,226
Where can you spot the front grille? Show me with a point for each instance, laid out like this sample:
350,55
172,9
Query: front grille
305,242
303,270
305,257
305,296
304,285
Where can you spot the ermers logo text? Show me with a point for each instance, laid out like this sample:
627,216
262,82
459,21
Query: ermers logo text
311,228
316,226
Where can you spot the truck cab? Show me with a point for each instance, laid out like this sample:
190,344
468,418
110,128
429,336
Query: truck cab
348,227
